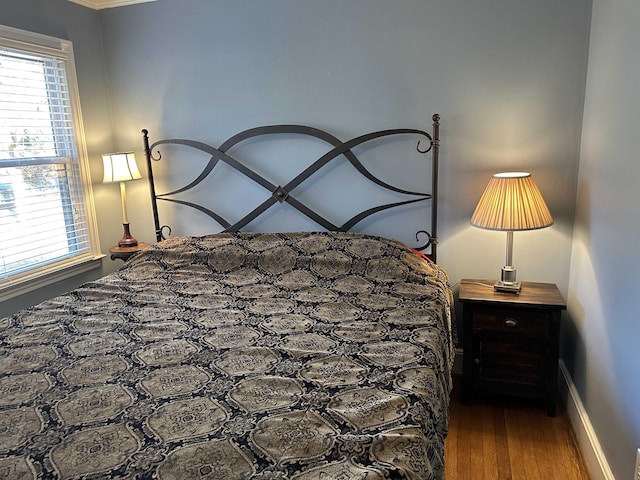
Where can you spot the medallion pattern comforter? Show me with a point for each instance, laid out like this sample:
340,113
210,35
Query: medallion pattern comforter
234,356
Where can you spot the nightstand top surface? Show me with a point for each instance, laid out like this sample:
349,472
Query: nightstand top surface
532,293
133,249
125,253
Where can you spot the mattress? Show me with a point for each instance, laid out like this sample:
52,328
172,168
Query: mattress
235,356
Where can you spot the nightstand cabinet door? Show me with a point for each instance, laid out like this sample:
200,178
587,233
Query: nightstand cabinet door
511,342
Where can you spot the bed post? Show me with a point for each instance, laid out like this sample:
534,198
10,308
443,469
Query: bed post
434,186
154,203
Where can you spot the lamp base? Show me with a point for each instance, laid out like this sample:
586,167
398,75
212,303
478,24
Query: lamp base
127,239
508,287
507,282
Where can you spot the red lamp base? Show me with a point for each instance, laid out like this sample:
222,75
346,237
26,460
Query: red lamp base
127,239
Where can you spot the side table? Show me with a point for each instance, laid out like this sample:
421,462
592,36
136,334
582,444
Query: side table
511,341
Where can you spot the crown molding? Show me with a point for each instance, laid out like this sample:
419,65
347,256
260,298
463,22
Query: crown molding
101,4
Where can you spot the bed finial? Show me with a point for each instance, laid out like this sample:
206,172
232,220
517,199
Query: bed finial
436,130
145,140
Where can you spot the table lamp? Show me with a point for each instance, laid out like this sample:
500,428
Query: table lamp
511,202
121,167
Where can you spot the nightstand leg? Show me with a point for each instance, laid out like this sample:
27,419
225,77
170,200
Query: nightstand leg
467,357
554,354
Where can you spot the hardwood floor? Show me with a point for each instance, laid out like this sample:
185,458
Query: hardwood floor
509,439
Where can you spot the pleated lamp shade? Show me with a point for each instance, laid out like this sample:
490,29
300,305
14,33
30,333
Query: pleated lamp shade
511,202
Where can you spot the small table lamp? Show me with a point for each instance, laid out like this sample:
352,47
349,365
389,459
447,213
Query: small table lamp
121,167
511,202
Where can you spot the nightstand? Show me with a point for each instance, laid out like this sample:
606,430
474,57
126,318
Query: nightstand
511,341
123,253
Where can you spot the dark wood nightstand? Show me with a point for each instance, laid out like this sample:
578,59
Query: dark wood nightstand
123,253
511,341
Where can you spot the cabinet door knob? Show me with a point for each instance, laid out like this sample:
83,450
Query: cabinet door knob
511,322
476,361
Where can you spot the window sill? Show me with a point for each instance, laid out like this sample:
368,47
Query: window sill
34,280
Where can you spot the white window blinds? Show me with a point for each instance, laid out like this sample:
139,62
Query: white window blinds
44,216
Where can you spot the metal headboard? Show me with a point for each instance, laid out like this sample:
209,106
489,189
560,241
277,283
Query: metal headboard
280,194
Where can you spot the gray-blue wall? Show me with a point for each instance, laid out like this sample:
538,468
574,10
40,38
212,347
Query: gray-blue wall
507,77
604,269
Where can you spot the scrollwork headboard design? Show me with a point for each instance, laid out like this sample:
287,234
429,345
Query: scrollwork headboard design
285,193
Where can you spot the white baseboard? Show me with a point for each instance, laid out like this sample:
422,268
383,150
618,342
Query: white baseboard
585,435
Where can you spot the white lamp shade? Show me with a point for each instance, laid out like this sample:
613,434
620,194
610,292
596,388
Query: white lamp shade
120,167
511,202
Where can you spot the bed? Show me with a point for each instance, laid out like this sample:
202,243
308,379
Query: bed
236,355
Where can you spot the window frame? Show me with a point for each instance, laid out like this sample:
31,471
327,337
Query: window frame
39,277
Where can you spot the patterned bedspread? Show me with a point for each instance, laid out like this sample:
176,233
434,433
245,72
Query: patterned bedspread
264,356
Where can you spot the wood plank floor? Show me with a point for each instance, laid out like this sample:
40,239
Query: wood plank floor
510,439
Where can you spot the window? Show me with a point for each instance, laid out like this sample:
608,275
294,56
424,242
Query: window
47,220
